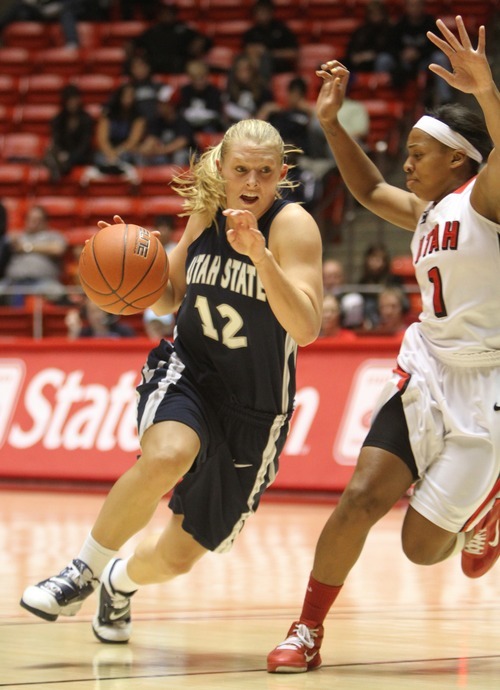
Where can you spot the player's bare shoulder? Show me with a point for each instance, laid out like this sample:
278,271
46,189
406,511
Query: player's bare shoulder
293,224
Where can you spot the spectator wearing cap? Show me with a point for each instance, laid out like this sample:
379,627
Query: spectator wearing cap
169,137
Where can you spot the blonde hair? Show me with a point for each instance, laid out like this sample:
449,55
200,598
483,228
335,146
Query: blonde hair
203,187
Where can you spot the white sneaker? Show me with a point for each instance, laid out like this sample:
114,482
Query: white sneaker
61,594
112,621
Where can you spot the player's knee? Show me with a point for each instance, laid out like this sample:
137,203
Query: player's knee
174,564
361,503
162,464
418,549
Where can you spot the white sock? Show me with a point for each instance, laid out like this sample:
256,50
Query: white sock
95,555
120,578
459,544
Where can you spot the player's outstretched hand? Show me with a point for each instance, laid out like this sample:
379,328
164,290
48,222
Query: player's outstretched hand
332,93
470,70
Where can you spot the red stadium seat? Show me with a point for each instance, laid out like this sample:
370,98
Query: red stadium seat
22,146
118,33
42,88
89,34
14,179
42,185
148,208
9,89
386,122
106,60
228,32
336,32
16,61
328,9
63,211
155,180
16,211
60,60
227,10
96,208
96,88
220,58
35,118
30,35
16,322
6,119
205,140
312,55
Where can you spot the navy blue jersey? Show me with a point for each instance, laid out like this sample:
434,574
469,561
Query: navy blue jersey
227,336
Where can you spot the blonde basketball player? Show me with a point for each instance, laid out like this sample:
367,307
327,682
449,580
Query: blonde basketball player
437,424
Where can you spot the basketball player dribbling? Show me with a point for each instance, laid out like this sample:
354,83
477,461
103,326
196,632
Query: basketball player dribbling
437,423
214,405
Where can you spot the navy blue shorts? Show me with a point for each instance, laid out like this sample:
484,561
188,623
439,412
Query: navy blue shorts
239,452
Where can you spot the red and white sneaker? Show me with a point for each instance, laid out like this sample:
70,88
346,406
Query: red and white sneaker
299,652
482,551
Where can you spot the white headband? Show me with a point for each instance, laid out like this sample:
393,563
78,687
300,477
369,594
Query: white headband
447,136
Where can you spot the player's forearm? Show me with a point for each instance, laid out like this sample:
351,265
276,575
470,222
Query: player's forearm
490,105
358,172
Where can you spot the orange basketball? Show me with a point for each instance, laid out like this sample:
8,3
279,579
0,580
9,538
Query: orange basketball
123,269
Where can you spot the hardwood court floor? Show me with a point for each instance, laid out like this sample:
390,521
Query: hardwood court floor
395,626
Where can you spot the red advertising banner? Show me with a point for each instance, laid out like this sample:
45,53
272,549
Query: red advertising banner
67,409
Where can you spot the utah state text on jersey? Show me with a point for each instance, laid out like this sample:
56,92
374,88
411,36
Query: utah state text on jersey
235,275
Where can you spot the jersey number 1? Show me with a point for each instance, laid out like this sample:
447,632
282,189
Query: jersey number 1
437,298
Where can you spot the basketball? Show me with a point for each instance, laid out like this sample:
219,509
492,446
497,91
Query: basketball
123,269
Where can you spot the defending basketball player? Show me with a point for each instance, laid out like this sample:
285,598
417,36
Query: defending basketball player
214,405
437,424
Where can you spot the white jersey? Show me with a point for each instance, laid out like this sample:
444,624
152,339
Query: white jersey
449,363
456,253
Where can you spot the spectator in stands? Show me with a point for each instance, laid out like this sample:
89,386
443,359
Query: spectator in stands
355,119
5,250
200,101
351,303
169,43
90,321
158,327
392,306
260,58
66,11
169,137
293,121
331,321
147,87
72,130
247,94
120,130
412,52
375,273
370,43
36,261
275,35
